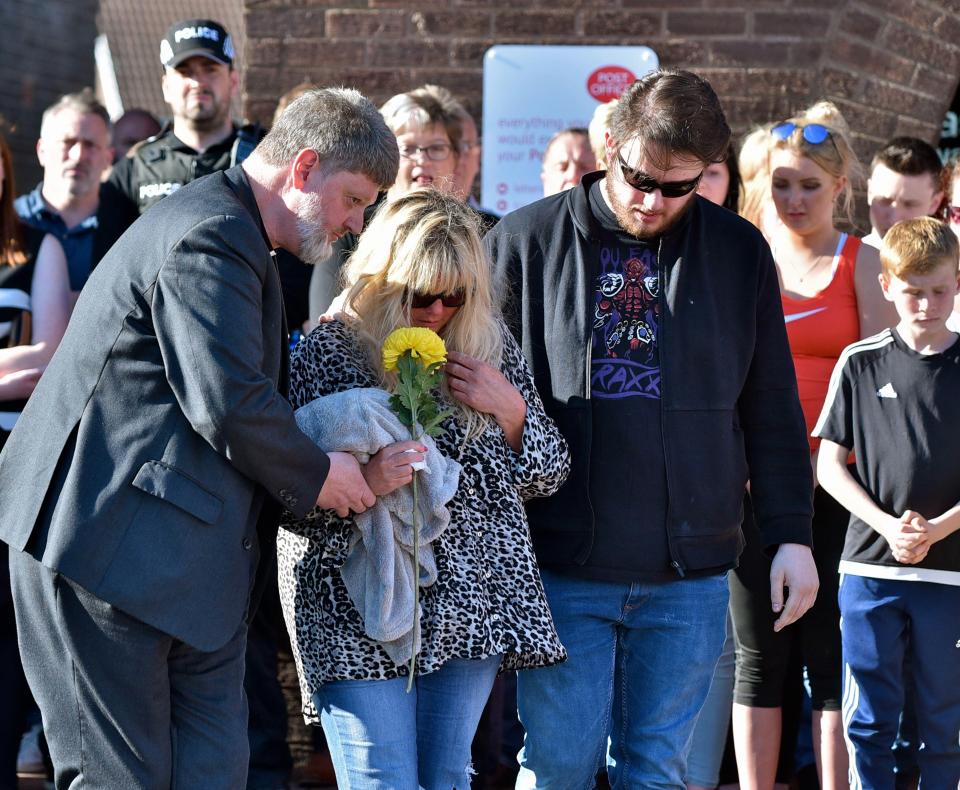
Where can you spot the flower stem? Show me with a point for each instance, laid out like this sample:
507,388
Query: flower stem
416,580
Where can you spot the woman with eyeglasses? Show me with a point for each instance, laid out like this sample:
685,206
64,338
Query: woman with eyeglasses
428,122
831,298
420,263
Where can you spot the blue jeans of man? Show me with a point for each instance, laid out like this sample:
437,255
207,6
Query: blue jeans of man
382,738
641,659
876,616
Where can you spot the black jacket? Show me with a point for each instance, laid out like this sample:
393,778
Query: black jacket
729,402
164,163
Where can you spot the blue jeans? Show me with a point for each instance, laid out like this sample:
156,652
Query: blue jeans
877,616
382,738
642,657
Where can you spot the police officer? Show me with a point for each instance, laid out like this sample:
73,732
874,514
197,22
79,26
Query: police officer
199,82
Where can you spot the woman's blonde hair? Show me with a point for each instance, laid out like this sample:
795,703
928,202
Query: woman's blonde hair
835,154
425,242
754,164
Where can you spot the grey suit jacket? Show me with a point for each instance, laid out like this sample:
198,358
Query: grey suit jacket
141,462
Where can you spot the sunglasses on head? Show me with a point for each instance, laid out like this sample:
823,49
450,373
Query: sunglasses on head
419,300
813,133
644,183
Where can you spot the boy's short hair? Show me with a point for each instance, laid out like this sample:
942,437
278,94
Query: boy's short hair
909,156
918,246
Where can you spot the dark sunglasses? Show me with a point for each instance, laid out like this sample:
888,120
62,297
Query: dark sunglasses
813,133
953,214
420,300
644,183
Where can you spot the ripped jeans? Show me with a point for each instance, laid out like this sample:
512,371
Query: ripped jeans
382,738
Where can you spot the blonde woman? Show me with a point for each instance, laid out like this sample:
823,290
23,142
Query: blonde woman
420,263
831,297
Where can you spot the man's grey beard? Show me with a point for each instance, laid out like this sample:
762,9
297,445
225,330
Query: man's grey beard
315,245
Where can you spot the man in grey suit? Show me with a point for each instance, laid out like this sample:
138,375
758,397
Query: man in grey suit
150,464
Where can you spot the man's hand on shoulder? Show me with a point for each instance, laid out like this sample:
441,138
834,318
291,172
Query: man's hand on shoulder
345,490
793,568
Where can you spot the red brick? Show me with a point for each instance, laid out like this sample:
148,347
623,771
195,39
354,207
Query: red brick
622,23
932,81
682,53
914,14
407,54
365,24
706,23
947,28
377,84
857,22
469,54
747,52
533,23
282,22
795,24
806,54
840,82
884,95
880,123
321,53
880,62
452,23
924,49
405,4
263,51
261,81
911,127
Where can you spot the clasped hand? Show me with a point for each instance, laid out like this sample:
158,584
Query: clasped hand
909,537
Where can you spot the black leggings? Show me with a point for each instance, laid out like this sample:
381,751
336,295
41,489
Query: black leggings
764,656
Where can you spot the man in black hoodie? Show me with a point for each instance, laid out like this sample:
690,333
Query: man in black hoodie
652,322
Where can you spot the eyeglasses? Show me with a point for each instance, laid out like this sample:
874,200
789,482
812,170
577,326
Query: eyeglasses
953,214
813,133
435,152
644,183
420,300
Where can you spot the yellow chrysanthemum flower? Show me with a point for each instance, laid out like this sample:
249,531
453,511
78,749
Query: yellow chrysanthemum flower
423,344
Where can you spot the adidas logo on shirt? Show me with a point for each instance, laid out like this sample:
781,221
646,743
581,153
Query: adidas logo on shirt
887,391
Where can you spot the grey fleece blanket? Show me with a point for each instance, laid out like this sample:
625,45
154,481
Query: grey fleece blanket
378,571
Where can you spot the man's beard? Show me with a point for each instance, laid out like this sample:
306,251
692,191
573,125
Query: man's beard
627,221
207,119
315,246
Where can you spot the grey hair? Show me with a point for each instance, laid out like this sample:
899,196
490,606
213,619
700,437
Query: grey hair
82,102
343,127
428,105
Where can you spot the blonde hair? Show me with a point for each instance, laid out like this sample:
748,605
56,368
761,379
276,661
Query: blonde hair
597,131
918,246
428,242
754,164
835,155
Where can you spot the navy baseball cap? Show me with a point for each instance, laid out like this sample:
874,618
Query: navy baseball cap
196,37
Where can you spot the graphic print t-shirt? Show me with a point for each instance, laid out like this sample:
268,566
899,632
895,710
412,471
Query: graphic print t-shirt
627,478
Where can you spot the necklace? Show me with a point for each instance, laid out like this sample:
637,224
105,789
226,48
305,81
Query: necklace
815,266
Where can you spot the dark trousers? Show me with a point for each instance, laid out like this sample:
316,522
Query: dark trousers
123,704
877,614
17,703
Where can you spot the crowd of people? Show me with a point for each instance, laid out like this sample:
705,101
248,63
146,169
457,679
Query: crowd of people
694,453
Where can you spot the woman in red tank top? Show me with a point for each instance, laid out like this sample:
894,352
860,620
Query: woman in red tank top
831,298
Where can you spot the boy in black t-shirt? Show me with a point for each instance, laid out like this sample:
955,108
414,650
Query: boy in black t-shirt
894,400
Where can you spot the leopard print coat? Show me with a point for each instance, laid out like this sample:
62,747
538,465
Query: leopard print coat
488,598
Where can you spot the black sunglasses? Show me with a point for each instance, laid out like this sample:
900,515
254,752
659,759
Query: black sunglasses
644,183
420,300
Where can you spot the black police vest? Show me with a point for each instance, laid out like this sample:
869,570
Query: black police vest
161,166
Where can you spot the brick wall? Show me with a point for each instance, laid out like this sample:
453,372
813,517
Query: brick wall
47,51
891,65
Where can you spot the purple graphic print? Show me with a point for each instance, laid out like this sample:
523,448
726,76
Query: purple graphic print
625,360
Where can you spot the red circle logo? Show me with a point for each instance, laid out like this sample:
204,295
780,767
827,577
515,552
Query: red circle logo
608,82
